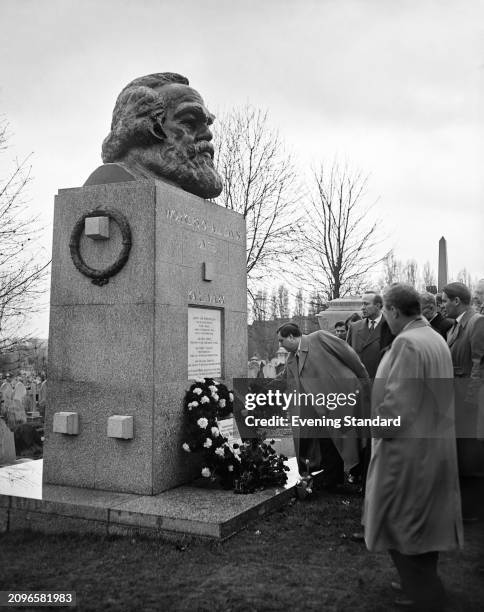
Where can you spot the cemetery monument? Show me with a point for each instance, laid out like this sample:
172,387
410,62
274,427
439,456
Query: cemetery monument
148,292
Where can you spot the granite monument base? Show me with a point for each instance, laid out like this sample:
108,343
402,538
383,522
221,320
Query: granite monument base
188,510
123,348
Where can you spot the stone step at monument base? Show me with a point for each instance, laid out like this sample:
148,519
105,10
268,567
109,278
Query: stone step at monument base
193,510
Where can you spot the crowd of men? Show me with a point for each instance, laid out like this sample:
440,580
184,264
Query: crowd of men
423,360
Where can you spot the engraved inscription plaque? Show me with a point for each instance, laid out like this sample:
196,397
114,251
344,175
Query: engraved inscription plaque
204,342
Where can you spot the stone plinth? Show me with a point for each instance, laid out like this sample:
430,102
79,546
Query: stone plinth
339,310
122,348
195,509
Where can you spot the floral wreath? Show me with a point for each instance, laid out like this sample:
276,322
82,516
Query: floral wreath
245,467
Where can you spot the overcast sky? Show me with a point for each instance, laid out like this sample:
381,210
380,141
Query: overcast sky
393,87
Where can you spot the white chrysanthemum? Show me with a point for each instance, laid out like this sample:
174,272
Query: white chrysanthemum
204,399
220,451
200,380
193,404
215,432
236,451
230,468
207,443
206,473
186,447
215,397
197,391
213,389
222,403
231,397
202,422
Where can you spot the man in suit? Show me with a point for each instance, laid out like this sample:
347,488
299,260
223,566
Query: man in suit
321,363
479,298
370,336
428,304
412,507
466,343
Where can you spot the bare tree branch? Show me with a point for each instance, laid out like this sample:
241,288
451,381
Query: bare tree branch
23,265
340,242
260,182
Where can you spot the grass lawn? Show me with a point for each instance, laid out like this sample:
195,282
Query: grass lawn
299,558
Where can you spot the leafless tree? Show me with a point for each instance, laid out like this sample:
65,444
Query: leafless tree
283,301
316,304
392,270
341,241
23,266
260,306
464,276
428,275
260,183
299,307
274,305
410,272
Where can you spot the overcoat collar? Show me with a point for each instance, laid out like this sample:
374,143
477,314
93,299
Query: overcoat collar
461,325
466,318
415,324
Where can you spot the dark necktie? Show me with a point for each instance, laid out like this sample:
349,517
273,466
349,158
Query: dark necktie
372,325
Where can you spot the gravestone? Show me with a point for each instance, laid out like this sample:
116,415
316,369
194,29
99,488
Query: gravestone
269,370
148,292
7,445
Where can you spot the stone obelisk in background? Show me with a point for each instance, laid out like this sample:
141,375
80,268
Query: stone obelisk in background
149,291
442,280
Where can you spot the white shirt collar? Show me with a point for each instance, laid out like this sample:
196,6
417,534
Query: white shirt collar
459,318
377,320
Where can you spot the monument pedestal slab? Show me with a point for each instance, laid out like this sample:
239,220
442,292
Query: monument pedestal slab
193,510
123,348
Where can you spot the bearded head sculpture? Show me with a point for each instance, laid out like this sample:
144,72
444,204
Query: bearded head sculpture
161,129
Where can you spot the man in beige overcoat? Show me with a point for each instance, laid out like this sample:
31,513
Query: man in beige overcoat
466,343
320,363
412,504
